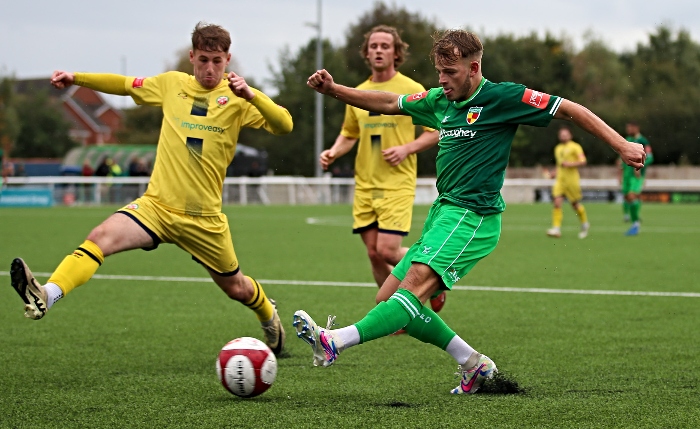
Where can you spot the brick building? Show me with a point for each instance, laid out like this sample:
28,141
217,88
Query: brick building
93,120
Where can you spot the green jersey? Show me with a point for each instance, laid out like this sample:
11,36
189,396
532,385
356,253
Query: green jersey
629,171
476,136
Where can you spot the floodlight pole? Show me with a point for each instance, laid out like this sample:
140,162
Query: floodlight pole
318,146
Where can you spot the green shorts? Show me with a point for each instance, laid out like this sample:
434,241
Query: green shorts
632,184
453,240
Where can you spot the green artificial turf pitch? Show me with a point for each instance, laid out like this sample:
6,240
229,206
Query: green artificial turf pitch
141,353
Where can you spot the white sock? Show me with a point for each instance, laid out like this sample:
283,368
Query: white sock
636,223
459,350
53,292
349,336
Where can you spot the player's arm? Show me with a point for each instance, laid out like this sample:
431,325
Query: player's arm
632,154
395,155
386,103
103,82
278,119
580,162
341,146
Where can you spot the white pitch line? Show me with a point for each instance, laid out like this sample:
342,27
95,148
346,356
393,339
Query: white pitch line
373,285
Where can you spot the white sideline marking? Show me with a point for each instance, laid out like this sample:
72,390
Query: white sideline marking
373,285
346,222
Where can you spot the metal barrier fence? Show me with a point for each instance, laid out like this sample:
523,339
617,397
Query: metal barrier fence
287,190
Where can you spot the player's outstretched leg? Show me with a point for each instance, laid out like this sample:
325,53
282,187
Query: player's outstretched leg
31,292
266,311
474,372
273,331
326,346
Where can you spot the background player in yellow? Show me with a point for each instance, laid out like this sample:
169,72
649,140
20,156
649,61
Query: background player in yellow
569,157
203,115
385,166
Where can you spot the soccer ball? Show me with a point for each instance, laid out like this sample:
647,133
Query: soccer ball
246,367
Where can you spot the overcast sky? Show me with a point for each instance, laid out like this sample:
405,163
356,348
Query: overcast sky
141,37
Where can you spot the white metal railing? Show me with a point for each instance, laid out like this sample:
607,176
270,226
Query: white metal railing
299,190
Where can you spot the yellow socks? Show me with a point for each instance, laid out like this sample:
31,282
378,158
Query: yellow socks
581,212
76,269
557,216
259,303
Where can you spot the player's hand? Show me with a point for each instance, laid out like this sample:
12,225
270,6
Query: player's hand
239,87
321,81
62,79
395,155
327,158
633,154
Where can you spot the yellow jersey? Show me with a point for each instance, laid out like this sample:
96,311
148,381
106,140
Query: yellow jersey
377,132
570,152
197,138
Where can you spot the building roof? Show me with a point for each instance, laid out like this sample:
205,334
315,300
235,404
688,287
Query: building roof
89,112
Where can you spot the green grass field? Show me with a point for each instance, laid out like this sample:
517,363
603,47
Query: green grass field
141,353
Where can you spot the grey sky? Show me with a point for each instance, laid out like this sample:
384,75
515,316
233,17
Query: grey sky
38,36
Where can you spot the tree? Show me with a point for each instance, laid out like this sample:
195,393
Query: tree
44,130
294,153
543,64
665,94
9,121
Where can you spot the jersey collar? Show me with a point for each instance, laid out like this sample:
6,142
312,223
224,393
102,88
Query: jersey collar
461,104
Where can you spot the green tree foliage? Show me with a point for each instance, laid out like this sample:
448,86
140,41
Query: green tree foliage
294,153
44,130
665,95
9,121
141,125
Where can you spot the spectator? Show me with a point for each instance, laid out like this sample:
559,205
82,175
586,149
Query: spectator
103,169
87,169
138,167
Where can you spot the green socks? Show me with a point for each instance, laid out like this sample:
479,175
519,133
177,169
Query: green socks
429,328
634,210
389,316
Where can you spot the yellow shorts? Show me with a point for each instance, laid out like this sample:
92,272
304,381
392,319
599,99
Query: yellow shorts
572,191
390,214
206,238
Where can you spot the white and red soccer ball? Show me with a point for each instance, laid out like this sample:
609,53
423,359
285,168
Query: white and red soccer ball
246,367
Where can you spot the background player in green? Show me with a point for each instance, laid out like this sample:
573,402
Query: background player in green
632,180
385,165
477,120
203,115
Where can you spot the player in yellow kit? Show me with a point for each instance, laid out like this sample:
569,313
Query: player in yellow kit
202,117
386,164
569,157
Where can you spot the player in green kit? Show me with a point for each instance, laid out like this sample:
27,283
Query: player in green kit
477,120
633,180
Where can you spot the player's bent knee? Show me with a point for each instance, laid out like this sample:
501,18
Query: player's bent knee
390,255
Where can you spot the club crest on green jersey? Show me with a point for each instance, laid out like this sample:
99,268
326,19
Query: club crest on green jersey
473,114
